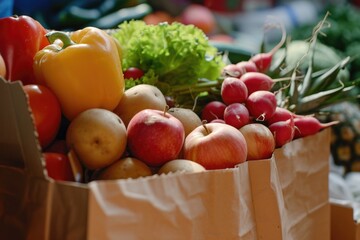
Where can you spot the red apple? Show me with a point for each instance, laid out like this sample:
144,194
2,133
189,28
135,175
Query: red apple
215,146
260,141
155,137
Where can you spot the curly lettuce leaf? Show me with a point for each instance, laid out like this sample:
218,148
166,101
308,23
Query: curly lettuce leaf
176,53
148,78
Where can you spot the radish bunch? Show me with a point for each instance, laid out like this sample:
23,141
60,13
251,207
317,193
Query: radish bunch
246,98
249,104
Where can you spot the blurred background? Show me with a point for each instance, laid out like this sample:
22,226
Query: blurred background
240,27
239,23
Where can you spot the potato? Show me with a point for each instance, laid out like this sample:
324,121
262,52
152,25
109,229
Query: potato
98,137
139,97
187,117
127,167
181,165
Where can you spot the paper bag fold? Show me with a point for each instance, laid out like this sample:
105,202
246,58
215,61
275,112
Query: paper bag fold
208,205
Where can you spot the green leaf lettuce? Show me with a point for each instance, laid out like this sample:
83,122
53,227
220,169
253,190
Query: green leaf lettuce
175,54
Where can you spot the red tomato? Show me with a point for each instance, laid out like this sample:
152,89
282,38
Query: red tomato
58,166
46,111
58,146
133,72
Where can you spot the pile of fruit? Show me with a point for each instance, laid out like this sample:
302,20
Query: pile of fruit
102,110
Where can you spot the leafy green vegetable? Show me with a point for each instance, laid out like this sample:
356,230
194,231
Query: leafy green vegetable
343,33
169,54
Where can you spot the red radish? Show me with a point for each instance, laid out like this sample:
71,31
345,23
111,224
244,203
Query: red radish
233,91
231,70
260,141
281,114
236,115
263,60
247,66
213,110
261,105
170,101
218,121
283,131
133,72
309,125
256,81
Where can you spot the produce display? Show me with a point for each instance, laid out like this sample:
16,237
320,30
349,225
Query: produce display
146,99
341,38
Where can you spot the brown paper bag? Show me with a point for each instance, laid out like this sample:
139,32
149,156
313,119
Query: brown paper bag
208,205
12,220
267,199
12,175
303,170
285,197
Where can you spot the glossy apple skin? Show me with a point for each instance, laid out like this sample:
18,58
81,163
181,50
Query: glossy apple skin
155,137
260,141
216,146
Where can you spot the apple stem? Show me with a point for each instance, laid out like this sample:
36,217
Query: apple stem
204,122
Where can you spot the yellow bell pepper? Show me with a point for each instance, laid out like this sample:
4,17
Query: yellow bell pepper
83,70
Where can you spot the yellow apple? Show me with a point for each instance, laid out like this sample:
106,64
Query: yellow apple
98,137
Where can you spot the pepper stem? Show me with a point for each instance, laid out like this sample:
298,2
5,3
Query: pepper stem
65,38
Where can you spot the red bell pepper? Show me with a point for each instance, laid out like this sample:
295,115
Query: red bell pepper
21,37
